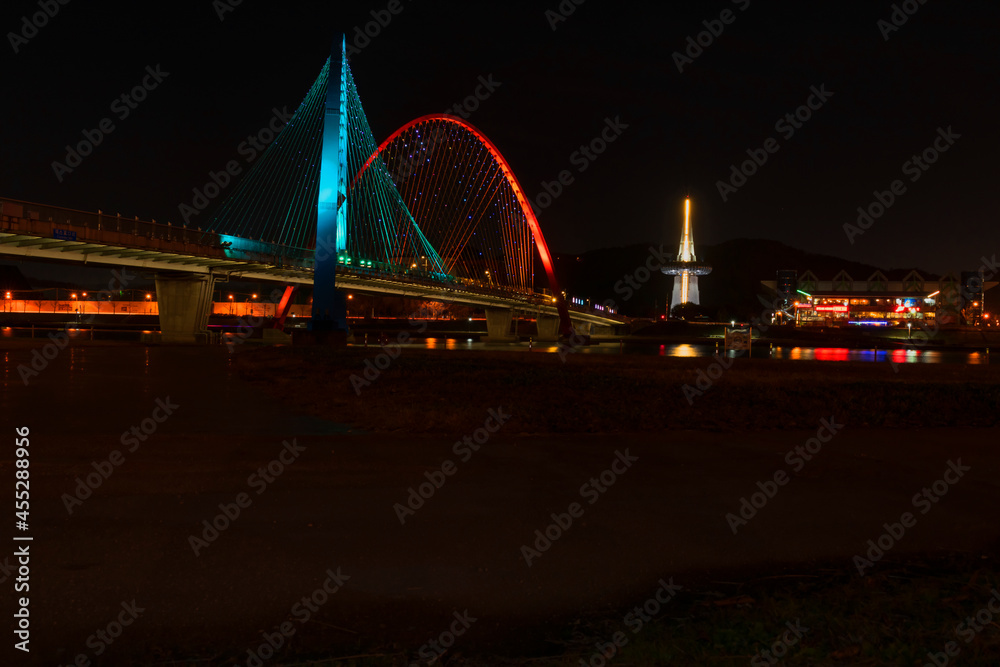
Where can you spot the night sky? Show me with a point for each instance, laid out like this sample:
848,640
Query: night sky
606,60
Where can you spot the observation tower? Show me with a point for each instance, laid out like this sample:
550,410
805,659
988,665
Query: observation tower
686,268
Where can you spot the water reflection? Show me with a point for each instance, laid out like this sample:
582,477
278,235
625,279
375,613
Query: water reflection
449,344
680,351
701,350
894,356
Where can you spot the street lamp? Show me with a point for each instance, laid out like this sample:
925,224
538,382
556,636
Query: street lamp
230,304
909,331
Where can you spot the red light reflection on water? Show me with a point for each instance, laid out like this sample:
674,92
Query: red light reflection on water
898,356
831,354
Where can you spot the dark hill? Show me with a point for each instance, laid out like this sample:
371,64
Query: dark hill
731,290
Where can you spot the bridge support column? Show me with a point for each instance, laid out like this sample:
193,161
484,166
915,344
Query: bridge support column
583,328
329,312
185,302
498,321
548,327
601,330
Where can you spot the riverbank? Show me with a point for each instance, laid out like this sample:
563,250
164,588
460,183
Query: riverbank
427,391
550,541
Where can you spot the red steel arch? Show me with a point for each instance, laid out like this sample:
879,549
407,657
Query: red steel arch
565,326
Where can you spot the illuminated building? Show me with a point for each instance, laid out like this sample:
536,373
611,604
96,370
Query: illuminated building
686,268
880,302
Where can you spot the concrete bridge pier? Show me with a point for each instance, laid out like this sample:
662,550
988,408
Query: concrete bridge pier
185,302
548,327
583,328
601,330
498,321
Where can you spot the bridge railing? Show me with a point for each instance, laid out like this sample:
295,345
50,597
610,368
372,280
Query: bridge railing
101,221
65,223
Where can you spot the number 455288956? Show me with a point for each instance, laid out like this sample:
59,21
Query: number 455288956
21,485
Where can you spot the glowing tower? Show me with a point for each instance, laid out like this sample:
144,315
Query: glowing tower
686,268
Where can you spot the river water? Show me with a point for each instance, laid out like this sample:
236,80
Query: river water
918,355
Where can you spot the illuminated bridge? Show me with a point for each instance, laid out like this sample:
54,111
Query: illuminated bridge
433,212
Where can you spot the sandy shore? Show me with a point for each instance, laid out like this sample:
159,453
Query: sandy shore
621,510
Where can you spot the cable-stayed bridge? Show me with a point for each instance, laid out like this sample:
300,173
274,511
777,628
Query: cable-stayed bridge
433,212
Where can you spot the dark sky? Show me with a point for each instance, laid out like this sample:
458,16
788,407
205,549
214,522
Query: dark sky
606,60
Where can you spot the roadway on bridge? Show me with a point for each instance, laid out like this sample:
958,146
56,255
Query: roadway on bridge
332,507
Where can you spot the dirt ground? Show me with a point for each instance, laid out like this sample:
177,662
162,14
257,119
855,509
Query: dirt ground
634,508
